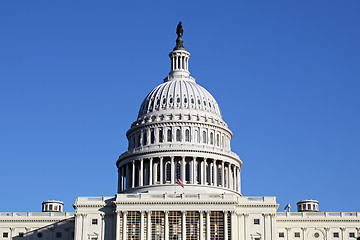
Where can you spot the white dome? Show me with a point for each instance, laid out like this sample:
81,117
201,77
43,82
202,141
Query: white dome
179,94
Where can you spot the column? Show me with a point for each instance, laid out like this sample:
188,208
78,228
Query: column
246,230
183,169
210,173
124,225
228,176
141,173
342,233
303,232
273,227
166,225
207,225
133,175
148,225
267,226
78,226
183,224
161,170
238,179
215,172
102,235
226,234
117,224
201,228
151,171
142,224
202,172
83,226
172,174
232,225
222,174
193,170
287,232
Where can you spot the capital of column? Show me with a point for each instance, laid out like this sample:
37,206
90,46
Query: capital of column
343,228
303,228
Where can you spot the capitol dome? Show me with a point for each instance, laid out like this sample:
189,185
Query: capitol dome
179,137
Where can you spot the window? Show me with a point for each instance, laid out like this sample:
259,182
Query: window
5,234
138,140
169,135
178,135
58,234
94,221
152,136
281,235
178,169
257,221
297,234
187,135
336,235
39,235
257,238
316,235
204,137
50,207
144,138
351,235
187,171
196,136
168,172
160,135
133,225
21,234
94,238
217,140
211,138
55,208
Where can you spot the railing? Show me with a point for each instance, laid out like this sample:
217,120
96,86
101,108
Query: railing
318,214
36,214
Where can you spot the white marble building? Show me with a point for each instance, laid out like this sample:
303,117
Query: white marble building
179,137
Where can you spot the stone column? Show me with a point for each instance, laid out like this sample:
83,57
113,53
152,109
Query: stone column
246,230
233,225
273,226
226,233
83,226
151,171
141,173
207,225
183,169
229,176
102,235
267,226
201,225
142,224
124,225
303,232
133,174
161,170
148,225
192,172
215,172
183,224
222,174
211,182
166,225
78,227
117,225
342,233
172,174
202,173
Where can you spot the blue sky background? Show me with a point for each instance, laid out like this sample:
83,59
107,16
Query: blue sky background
285,74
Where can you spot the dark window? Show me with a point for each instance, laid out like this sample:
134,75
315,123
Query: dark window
50,207
192,101
58,234
257,238
297,235
211,138
152,136
204,137
168,172
187,171
5,234
144,138
281,235
39,235
178,169
199,102
178,135
171,100
169,137
21,234
160,135
257,221
178,100
94,221
336,235
187,135
185,100
351,235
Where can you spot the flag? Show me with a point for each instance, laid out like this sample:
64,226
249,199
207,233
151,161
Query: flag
180,182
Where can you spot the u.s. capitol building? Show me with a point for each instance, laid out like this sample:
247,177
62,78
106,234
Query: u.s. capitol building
179,179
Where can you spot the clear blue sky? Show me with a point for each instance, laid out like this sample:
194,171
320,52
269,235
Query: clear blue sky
285,74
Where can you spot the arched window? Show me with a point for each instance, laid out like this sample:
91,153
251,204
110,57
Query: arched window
178,135
204,137
157,167
178,169
187,171
145,138
217,140
138,140
168,172
187,135
196,136
208,169
152,136
160,135
169,135
211,138
226,177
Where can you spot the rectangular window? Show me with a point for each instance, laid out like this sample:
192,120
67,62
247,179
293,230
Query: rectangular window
281,235
58,234
94,238
21,234
257,238
5,234
257,221
94,221
297,235
336,235
352,235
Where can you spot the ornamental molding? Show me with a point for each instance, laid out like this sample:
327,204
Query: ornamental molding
318,220
170,203
257,205
37,220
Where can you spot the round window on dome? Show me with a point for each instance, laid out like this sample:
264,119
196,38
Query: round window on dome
39,235
204,103
171,100
209,104
199,101
164,101
178,100
185,100
158,102
192,101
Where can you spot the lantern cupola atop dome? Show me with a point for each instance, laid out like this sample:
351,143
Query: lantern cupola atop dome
179,57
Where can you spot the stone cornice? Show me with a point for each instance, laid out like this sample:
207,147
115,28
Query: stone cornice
13,219
317,220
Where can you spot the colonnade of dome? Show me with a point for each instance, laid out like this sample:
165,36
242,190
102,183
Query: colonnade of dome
166,170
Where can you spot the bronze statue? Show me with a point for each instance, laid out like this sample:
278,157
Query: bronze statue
179,30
